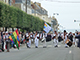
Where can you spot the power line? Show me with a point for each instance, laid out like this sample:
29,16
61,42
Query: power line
62,1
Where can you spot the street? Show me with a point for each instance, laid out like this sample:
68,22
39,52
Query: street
40,53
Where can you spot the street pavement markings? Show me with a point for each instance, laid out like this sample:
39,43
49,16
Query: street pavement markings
59,45
33,46
70,52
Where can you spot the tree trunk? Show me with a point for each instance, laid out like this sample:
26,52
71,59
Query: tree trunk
12,29
5,28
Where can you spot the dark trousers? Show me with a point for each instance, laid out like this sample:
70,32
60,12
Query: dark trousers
2,45
7,45
27,40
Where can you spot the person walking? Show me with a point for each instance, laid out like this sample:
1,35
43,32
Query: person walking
64,36
27,40
55,39
44,35
78,37
7,41
0,43
74,40
30,39
3,42
36,40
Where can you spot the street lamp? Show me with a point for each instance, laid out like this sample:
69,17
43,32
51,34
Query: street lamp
52,24
55,13
76,20
55,21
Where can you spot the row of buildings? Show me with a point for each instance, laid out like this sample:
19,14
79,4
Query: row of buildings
33,8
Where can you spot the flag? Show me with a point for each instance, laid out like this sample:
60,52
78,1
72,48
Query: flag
16,41
18,37
15,38
11,39
46,28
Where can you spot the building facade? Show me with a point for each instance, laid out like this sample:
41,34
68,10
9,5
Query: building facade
6,1
39,11
24,5
34,9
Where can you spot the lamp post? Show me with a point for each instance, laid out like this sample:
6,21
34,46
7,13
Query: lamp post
52,24
55,13
55,21
26,6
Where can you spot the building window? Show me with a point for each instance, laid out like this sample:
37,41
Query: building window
32,11
29,2
24,8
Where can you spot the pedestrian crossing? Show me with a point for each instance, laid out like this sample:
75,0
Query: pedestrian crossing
47,46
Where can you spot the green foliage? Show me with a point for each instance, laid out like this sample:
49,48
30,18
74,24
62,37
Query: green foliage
14,17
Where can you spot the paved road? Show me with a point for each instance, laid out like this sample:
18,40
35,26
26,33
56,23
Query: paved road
49,53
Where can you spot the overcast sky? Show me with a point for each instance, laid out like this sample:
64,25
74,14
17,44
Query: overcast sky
68,12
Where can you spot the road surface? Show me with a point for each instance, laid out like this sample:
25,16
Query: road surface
40,53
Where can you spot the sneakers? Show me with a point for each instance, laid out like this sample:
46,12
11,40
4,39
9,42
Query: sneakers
36,47
56,46
28,47
7,51
66,46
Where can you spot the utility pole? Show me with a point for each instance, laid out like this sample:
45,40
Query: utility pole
52,24
26,6
54,20
25,3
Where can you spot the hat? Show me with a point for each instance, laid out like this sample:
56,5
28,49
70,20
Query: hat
6,31
64,30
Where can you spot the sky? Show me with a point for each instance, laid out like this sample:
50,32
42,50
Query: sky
68,12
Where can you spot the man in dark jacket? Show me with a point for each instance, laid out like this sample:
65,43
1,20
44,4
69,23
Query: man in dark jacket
70,36
78,37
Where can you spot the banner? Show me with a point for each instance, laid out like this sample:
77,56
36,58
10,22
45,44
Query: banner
46,28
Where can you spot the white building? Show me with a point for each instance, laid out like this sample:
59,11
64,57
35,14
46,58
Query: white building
27,7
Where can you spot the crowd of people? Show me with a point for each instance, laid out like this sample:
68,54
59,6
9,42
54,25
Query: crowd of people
29,38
